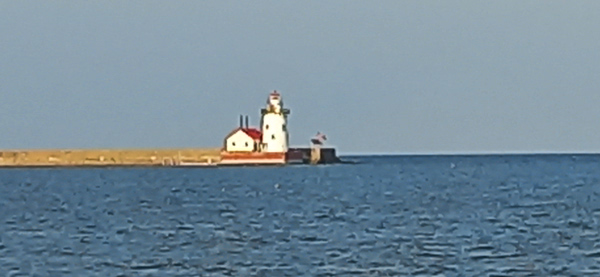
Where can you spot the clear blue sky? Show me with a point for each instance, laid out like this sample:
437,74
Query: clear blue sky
376,76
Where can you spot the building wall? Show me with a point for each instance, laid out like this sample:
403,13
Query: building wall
274,133
239,142
326,155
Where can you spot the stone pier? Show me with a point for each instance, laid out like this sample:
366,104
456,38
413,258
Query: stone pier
110,157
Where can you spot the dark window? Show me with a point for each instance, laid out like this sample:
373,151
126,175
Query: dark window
267,127
284,127
246,144
272,136
233,143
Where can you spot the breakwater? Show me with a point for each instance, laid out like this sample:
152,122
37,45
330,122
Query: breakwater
110,157
137,157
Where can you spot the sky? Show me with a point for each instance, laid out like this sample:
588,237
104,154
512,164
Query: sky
378,77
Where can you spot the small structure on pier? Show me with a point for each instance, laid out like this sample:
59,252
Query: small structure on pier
243,139
315,147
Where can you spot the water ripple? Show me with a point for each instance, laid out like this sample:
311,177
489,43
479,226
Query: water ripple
416,216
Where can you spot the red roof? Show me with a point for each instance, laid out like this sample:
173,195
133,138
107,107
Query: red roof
253,133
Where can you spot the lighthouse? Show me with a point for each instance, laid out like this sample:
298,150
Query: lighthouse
275,138
268,144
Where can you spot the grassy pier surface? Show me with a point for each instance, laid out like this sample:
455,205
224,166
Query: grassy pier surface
110,157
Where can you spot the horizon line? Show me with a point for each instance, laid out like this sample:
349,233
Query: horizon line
467,153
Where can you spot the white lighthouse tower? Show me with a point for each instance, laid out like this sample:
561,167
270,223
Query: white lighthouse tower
274,125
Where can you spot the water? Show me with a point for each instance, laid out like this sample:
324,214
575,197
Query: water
387,216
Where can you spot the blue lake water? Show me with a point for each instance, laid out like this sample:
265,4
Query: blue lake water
515,215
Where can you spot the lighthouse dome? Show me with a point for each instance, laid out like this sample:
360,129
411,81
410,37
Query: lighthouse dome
274,100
